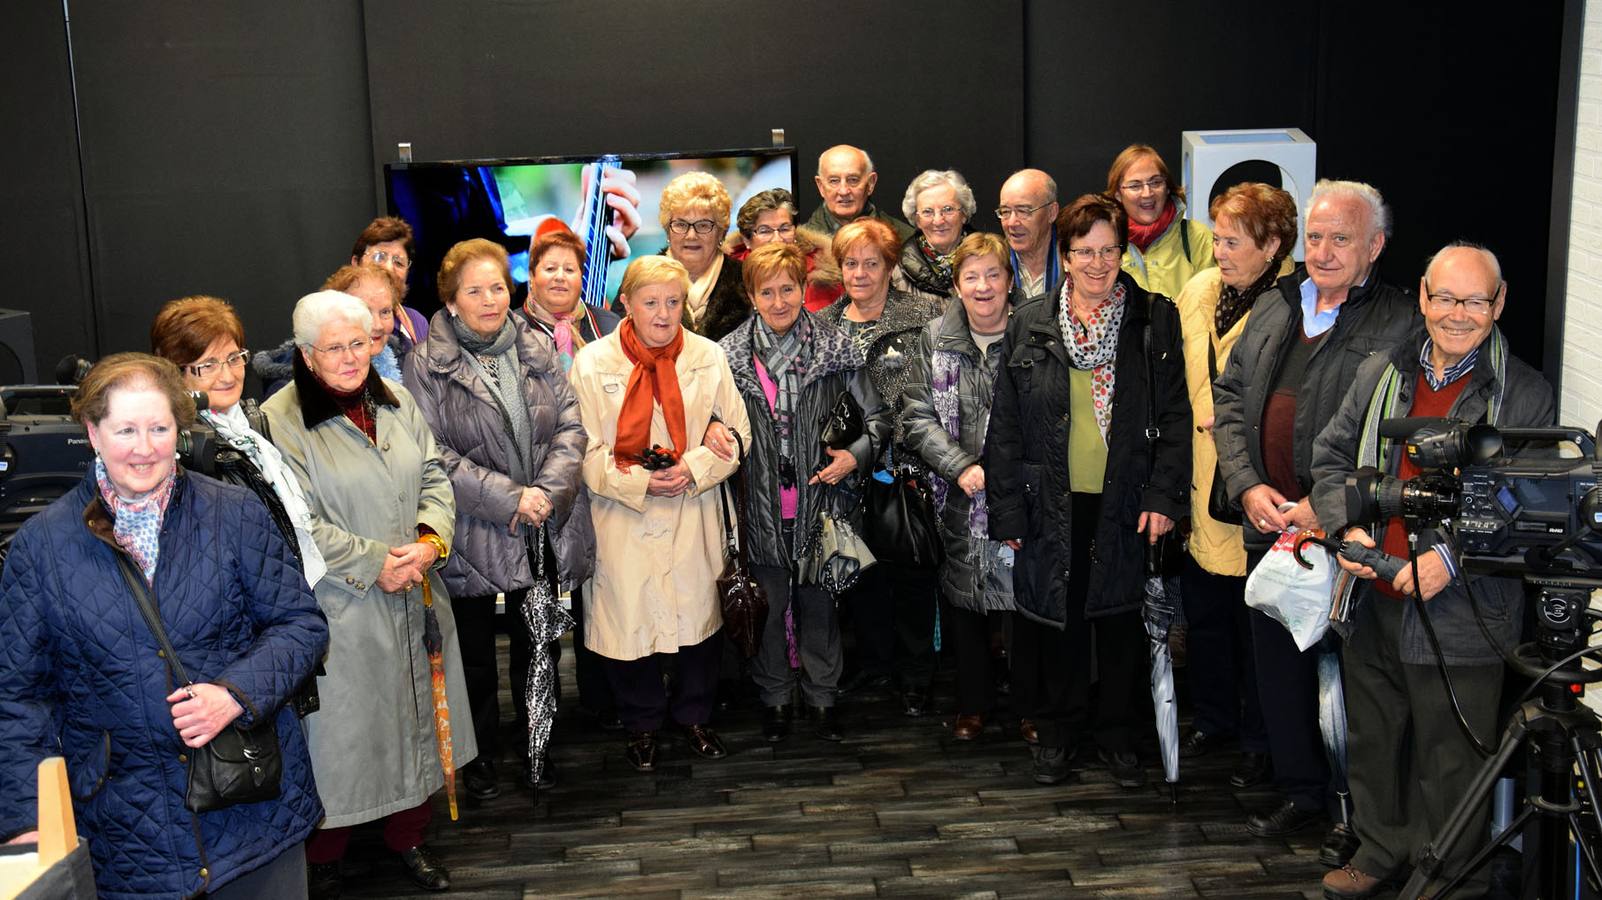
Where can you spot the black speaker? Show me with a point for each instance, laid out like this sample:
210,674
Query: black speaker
17,365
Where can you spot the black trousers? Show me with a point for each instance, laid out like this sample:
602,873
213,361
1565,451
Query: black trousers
1410,763
892,610
1222,671
970,634
1055,665
589,668
475,633
645,705
1287,686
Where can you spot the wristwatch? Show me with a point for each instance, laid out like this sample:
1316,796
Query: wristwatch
440,545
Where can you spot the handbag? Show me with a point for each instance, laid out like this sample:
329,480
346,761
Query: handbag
239,765
843,423
899,523
838,555
740,596
1218,505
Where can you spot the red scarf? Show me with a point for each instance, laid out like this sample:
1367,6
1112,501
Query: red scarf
654,380
1142,235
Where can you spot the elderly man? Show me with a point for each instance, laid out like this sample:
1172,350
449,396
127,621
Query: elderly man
845,181
1284,380
1410,763
1028,214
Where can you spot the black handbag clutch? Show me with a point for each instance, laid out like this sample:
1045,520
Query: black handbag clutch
899,523
740,596
239,765
843,424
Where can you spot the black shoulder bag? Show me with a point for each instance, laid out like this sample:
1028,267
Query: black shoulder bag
239,765
740,596
1168,556
1218,505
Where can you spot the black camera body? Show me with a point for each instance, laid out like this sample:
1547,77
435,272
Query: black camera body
43,451
1519,501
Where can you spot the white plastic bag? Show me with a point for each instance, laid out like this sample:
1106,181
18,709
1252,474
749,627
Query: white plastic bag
1295,597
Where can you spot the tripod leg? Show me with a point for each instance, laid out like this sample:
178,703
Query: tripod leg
1429,863
1474,864
1586,851
1588,772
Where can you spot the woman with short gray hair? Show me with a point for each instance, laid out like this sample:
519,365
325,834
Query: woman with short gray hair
939,203
383,515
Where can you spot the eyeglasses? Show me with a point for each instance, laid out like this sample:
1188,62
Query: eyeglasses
208,368
1154,184
700,226
1086,254
1474,306
1005,212
397,260
929,213
782,231
354,348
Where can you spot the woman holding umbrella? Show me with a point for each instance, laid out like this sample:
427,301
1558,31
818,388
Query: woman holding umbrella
383,517
494,393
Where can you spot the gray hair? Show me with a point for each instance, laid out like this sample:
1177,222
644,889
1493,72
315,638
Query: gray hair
1379,215
930,178
1490,259
866,159
314,312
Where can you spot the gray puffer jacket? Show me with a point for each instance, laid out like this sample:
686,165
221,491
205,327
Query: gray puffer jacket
1526,402
471,428
1374,318
890,354
962,574
836,366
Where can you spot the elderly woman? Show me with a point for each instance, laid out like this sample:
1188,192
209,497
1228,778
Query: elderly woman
383,517
1087,461
790,368
498,402
204,337
386,242
1165,249
1254,231
555,309
893,606
643,390
80,676
770,216
378,287
945,418
554,306
695,214
940,203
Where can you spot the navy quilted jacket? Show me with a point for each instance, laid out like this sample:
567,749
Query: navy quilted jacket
79,677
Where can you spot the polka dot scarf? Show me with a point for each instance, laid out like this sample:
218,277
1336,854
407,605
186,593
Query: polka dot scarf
137,523
1093,345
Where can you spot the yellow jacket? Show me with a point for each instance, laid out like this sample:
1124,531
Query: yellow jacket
1217,547
1165,268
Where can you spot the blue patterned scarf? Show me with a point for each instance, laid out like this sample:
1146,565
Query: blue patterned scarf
136,524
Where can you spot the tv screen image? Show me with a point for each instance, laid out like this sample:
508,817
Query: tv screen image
505,201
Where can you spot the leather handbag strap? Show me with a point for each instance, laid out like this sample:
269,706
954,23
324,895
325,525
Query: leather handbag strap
736,541
147,609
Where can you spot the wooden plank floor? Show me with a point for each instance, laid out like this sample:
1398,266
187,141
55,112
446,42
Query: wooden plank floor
896,810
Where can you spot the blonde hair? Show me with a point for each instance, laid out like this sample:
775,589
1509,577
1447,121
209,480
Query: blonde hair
649,270
696,189
978,244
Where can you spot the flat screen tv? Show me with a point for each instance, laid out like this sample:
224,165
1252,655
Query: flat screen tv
505,200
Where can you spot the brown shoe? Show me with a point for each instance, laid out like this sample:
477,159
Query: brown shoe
968,727
1027,730
1348,883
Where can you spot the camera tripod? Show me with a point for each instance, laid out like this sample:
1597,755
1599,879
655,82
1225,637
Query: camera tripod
1563,736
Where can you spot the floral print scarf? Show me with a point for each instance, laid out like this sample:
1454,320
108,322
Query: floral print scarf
1093,345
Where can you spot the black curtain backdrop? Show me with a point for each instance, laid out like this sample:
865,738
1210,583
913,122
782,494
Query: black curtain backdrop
236,149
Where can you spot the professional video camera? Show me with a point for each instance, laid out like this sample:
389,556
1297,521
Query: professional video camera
1516,502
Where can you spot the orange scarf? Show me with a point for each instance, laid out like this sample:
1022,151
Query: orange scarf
654,379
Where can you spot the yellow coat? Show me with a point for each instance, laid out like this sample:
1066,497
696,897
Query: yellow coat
1217,547
657,559
1164,268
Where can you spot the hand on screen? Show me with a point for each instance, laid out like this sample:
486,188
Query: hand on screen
623,201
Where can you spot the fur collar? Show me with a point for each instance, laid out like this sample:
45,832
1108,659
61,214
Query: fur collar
317,405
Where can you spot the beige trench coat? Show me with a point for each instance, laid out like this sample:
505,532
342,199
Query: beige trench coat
373,747
656,558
